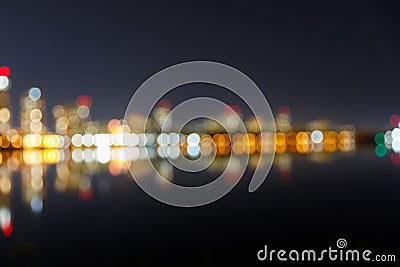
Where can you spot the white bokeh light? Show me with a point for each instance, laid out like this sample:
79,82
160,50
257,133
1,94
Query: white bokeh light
317,137
193,139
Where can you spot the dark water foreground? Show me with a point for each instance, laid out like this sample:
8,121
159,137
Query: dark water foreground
305,203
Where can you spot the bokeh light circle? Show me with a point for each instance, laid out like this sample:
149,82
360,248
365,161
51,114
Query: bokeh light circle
35,93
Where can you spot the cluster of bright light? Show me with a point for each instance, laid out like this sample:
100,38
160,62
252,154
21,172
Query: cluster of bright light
32,110
5,114
390,140
5,120
33,180
72,119
315,141
168,145
283,120
12,139
115,140
172,139
45,141
160,114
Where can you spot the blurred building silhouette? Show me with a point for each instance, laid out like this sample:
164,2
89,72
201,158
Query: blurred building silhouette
33,112
5,109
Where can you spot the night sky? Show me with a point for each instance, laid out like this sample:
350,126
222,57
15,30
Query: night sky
339,61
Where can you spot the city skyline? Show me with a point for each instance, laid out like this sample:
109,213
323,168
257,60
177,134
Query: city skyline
342,60
9,100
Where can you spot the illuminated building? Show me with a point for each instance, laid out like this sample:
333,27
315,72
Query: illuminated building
160,116
283,120
32,112
5,110
73,119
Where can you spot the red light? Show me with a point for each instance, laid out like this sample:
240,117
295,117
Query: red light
5,71
112,124
284,110
286,174
114,169
86,194
233,108
84,100
164,103
7,229
395,159
394,121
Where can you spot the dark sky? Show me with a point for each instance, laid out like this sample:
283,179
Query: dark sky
325,59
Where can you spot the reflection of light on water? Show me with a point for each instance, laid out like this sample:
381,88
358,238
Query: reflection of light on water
103,154
5,221
193,151
284,164
37,204
390,140
5,185
76,169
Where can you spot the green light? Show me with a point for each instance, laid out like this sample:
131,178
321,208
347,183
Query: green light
380,139
380,150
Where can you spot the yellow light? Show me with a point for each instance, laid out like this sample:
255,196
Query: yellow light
51,156
303,148
345,137
280,148
206,141
63,171
291,139
5,142
37,184
330,137
4,115
302,138
238,149
280,139
36,126
31,157
16,141
251,139
83,112
73,121
5,185
330,147
223,150
58,111
35,115
62,125
51,141
221,140
76,140
32,141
